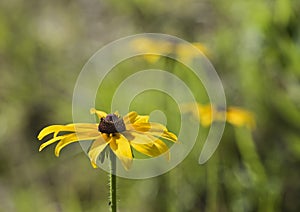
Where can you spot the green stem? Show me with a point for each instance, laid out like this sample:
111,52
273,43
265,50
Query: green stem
113,182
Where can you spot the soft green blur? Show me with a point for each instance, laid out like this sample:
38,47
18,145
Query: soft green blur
255,48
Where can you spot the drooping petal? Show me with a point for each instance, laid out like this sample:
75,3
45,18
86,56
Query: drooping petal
139,138
99,113
121,147
94,165
141,119
166,135
74,137
129,118
66,128
97,147
154,149
161,146
51,141
154,129
52,129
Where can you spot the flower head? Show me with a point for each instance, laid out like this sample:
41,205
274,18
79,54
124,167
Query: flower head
120,134
208,113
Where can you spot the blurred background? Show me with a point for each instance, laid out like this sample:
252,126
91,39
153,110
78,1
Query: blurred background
253,45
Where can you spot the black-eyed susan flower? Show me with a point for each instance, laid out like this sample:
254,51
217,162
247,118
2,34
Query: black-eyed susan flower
120,134
208,113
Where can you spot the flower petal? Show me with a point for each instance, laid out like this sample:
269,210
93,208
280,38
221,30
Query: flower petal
97,147
71,138
166,135
94,165
52,129
141,119
121,147
154,149
139,138
99,113
147,127
66,128
240,117
208,114
83,126
161,146
51,141
134,118
129,118
203,113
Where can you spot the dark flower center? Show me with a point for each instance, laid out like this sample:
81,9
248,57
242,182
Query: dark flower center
111,124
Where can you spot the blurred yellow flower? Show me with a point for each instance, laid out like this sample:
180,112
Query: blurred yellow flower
208,113
181,51
184,53
120,134
150,45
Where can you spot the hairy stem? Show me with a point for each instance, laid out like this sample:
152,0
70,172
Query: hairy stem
112,182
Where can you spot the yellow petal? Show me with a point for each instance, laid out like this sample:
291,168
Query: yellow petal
188,107
240,117
141,119
161,146
130,117
169,136
97,147
206,114
134,118
121,147
152,58
99,113
83,126
147,127
52,129
66,128
53,140
145,137
94,165
201,47
71,138
166,135
203,113
139,138
151,149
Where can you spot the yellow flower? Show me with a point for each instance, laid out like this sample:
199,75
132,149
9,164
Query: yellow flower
151,45
184,53
181,50
119,134
208,113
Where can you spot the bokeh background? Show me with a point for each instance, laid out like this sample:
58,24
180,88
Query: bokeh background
255,48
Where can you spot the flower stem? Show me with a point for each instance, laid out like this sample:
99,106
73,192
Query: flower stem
112,183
